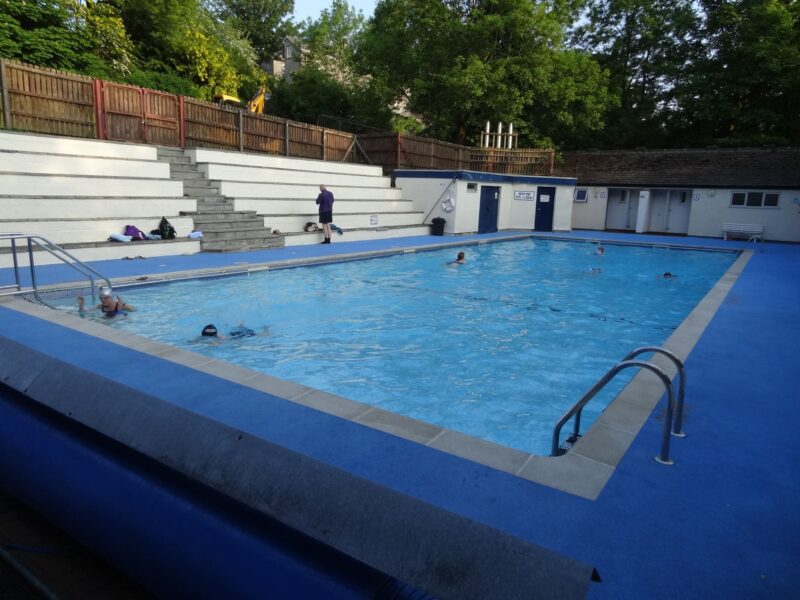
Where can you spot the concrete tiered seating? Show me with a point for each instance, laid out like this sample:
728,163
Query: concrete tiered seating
77,192
282,191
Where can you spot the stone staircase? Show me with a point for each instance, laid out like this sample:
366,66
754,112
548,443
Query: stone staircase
224,228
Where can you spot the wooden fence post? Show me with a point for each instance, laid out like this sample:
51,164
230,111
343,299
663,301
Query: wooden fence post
241,130
4,92
286,136
324,143
397,152
99,109
182,121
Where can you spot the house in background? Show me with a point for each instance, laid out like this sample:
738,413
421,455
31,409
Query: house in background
289,60
687,192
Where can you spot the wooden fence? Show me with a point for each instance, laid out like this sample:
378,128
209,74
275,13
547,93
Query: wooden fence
400,151
47,101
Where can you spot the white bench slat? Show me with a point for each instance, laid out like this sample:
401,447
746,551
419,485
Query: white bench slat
742,228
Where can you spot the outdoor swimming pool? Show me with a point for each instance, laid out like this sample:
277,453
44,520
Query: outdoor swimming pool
497,348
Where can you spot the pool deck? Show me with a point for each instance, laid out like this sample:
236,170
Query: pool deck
723,522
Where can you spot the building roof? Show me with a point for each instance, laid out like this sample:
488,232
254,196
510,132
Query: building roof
717,168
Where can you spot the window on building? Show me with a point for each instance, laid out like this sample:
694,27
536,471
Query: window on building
581,195
755,199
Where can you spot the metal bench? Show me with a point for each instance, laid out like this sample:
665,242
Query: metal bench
742,230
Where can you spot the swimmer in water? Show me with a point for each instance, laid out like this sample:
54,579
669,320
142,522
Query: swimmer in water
460,259
237,333
108,305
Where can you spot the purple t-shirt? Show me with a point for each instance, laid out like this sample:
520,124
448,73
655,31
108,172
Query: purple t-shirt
325,201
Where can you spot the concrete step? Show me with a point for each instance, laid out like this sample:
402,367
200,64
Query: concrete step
195,189
247,234
225,217
91,251
296,223
240,174
169,151
237,246
176,160
304,206
186,176
238,226
354,235
316,168
276,190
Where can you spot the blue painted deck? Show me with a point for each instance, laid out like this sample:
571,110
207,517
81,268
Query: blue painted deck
723,522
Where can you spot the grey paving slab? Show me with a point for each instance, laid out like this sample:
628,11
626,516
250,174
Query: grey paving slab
487,453
570,473
399,425
333,405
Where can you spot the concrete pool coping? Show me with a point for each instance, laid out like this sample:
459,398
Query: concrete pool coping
583,471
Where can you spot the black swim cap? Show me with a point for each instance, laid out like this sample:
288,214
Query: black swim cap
210,330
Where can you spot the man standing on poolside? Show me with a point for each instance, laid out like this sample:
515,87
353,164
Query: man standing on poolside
325,202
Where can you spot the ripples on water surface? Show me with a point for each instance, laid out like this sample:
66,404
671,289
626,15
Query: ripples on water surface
497,348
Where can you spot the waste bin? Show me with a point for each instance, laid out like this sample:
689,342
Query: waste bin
437,226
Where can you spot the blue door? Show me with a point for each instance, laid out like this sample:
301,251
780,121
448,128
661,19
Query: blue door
545,203
490,201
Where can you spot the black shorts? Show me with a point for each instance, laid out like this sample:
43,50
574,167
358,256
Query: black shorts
326,217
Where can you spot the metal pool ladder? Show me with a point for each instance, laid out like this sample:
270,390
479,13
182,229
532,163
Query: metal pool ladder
676,425
31,241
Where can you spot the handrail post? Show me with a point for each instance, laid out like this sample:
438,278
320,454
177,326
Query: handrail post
5,95
16,264
677,426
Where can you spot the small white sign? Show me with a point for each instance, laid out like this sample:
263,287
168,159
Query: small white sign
544,198
602,194
527,196
696,196
373,219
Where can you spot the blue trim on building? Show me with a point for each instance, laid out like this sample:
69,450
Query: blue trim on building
483,177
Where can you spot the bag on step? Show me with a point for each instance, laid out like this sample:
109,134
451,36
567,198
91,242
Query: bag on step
166,230
134,232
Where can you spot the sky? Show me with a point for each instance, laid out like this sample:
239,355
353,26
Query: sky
312,8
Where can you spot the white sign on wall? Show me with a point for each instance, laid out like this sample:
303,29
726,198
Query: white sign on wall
527,196
544,198
373,219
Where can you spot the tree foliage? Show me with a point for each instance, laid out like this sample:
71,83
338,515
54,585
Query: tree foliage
458,63
329,41
265,23
570,73
744,84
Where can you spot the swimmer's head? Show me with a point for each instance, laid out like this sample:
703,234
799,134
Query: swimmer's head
667,275
209,331
460,256
105,292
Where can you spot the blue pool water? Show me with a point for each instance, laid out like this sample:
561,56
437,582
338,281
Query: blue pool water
497,348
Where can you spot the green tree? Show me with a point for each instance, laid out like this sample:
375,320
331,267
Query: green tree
309,93
744,88
181,36
646,46
264,22
330,39
41,33
458,63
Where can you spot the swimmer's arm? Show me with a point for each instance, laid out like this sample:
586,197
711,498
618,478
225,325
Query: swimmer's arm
124,306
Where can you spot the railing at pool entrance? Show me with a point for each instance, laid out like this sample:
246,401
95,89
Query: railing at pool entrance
674,406
31,243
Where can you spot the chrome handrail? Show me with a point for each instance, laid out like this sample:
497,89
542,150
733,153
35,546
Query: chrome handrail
54,250
576,410
439,199
755,238
677,426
